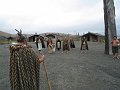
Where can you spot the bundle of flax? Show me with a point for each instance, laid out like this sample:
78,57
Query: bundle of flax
24,68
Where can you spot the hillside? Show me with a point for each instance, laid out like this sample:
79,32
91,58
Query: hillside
6,34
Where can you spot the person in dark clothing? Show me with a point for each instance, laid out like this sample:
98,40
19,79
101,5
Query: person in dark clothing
43,43
72,44
84,45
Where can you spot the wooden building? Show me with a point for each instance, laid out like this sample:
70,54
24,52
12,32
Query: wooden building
3,38
33,38
94,37
50,36
10,38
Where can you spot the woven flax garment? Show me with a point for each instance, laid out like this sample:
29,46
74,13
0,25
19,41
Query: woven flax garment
24,68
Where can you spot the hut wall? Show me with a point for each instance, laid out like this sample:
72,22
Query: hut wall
93,38
101,39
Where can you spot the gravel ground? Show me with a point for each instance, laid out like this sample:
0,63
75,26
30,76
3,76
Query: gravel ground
92,70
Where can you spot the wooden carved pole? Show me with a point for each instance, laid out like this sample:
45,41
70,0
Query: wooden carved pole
110,25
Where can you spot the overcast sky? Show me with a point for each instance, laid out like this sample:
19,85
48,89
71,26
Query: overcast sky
64,16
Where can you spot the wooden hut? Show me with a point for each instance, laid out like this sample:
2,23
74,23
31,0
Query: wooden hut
50,36
3,38
33,38
94,37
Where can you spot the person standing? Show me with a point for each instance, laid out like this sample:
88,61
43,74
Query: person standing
24,66
115,46
39,44
50,45
66,45
72,44
58,44
84,45
54,44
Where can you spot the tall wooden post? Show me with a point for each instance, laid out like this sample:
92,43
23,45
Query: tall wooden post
110,25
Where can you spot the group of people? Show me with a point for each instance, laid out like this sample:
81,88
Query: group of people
67,43
57,44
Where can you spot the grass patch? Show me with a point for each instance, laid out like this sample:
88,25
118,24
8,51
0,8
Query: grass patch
4,42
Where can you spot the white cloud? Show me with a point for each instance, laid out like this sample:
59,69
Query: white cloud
117,9
45,14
